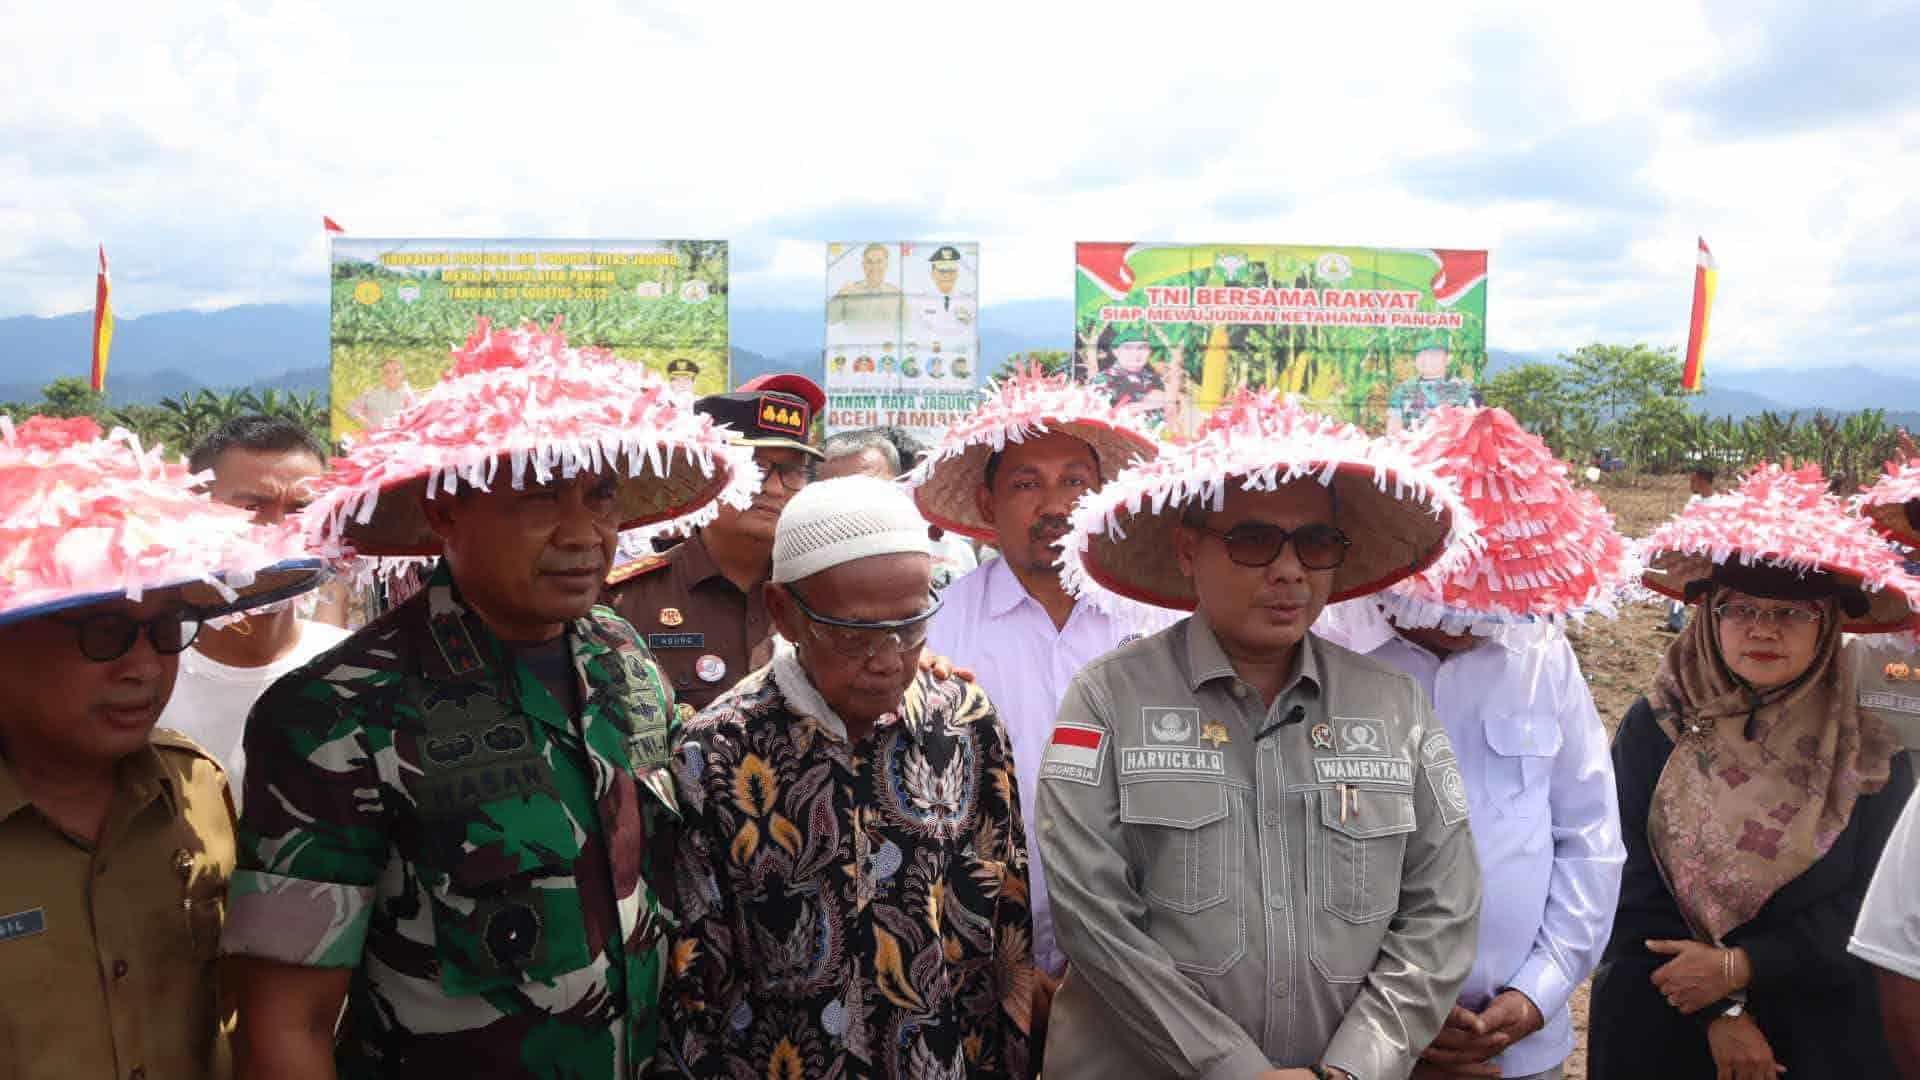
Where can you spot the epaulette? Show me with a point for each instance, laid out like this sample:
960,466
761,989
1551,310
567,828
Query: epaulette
628,571
169,739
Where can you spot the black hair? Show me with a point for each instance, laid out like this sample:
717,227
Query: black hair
993,463
1782,583
255,431
1706,471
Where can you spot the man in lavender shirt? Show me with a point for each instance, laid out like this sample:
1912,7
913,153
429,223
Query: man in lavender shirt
1008,475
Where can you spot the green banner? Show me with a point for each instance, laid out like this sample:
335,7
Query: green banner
1377,336
398,306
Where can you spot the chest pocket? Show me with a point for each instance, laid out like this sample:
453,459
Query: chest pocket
1518,770
1186,842
495,855
1360,859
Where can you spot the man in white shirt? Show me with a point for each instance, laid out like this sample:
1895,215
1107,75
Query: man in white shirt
1545,820
1008,475
262,464
1480,636
1888,937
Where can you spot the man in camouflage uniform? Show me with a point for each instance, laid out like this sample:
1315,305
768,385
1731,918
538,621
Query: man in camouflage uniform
450,817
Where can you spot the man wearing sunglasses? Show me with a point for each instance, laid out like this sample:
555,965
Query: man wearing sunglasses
1256,866
852,863
702,605
116,836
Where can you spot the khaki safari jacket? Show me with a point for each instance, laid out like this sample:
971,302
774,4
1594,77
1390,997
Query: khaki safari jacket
1229,903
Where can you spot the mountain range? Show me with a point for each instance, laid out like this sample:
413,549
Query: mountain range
284,347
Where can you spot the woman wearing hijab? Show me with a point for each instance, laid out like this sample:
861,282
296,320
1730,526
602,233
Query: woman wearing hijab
1755,798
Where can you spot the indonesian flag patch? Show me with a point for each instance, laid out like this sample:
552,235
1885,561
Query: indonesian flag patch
1076,753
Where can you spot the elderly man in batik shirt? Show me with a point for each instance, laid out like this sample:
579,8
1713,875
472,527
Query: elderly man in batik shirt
852,868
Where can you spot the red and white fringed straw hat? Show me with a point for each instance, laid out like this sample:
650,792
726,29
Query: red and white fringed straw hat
521,403
1551,549
1893,504
1777,520
1026,406
1401,515
86,518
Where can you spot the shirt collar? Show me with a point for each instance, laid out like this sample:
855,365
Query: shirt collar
1207,661
141,777
805,700
697,562
12,798
1004,591
802,698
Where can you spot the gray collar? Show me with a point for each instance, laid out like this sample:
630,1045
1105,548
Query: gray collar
801,697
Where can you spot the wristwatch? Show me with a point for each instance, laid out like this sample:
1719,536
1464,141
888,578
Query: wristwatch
1734,1011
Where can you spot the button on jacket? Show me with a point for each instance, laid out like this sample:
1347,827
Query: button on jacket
1231,903
1545,816
107,952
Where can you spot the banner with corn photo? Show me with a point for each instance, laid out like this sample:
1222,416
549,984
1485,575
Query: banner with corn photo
400,305
1373,336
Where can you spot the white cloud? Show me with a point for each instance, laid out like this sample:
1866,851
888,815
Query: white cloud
203,144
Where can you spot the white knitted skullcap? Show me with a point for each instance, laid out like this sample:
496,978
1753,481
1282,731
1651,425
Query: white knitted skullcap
837,521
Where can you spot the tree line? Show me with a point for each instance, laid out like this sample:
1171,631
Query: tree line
178,423
1627,399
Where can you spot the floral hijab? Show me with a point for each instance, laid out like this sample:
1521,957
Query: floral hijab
1760,784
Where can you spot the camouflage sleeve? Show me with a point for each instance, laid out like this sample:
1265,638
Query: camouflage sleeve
312,841
1003,833
701,989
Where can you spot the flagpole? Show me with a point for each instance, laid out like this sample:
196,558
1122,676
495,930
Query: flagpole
102,325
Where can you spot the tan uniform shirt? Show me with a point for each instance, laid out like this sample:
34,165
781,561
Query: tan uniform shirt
107,953
1230,903
1887,671
703,631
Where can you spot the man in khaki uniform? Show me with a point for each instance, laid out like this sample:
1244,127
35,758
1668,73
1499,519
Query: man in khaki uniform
117,838
1888,665
702,606
1255,840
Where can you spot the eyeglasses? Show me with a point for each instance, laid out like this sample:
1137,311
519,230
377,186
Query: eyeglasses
1255,543
793,476
109,635
1736,613
858,640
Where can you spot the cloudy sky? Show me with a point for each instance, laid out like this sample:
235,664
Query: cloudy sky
1585,145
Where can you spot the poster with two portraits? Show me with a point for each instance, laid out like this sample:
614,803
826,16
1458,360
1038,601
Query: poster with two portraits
902,335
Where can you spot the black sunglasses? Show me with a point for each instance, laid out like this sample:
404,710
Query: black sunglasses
1255,543
109,635
860,640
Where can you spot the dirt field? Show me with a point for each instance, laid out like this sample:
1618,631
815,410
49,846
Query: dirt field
1621,655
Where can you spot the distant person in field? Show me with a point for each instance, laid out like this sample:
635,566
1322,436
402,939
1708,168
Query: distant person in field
389,399
1756,796
1412,400
1699,486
